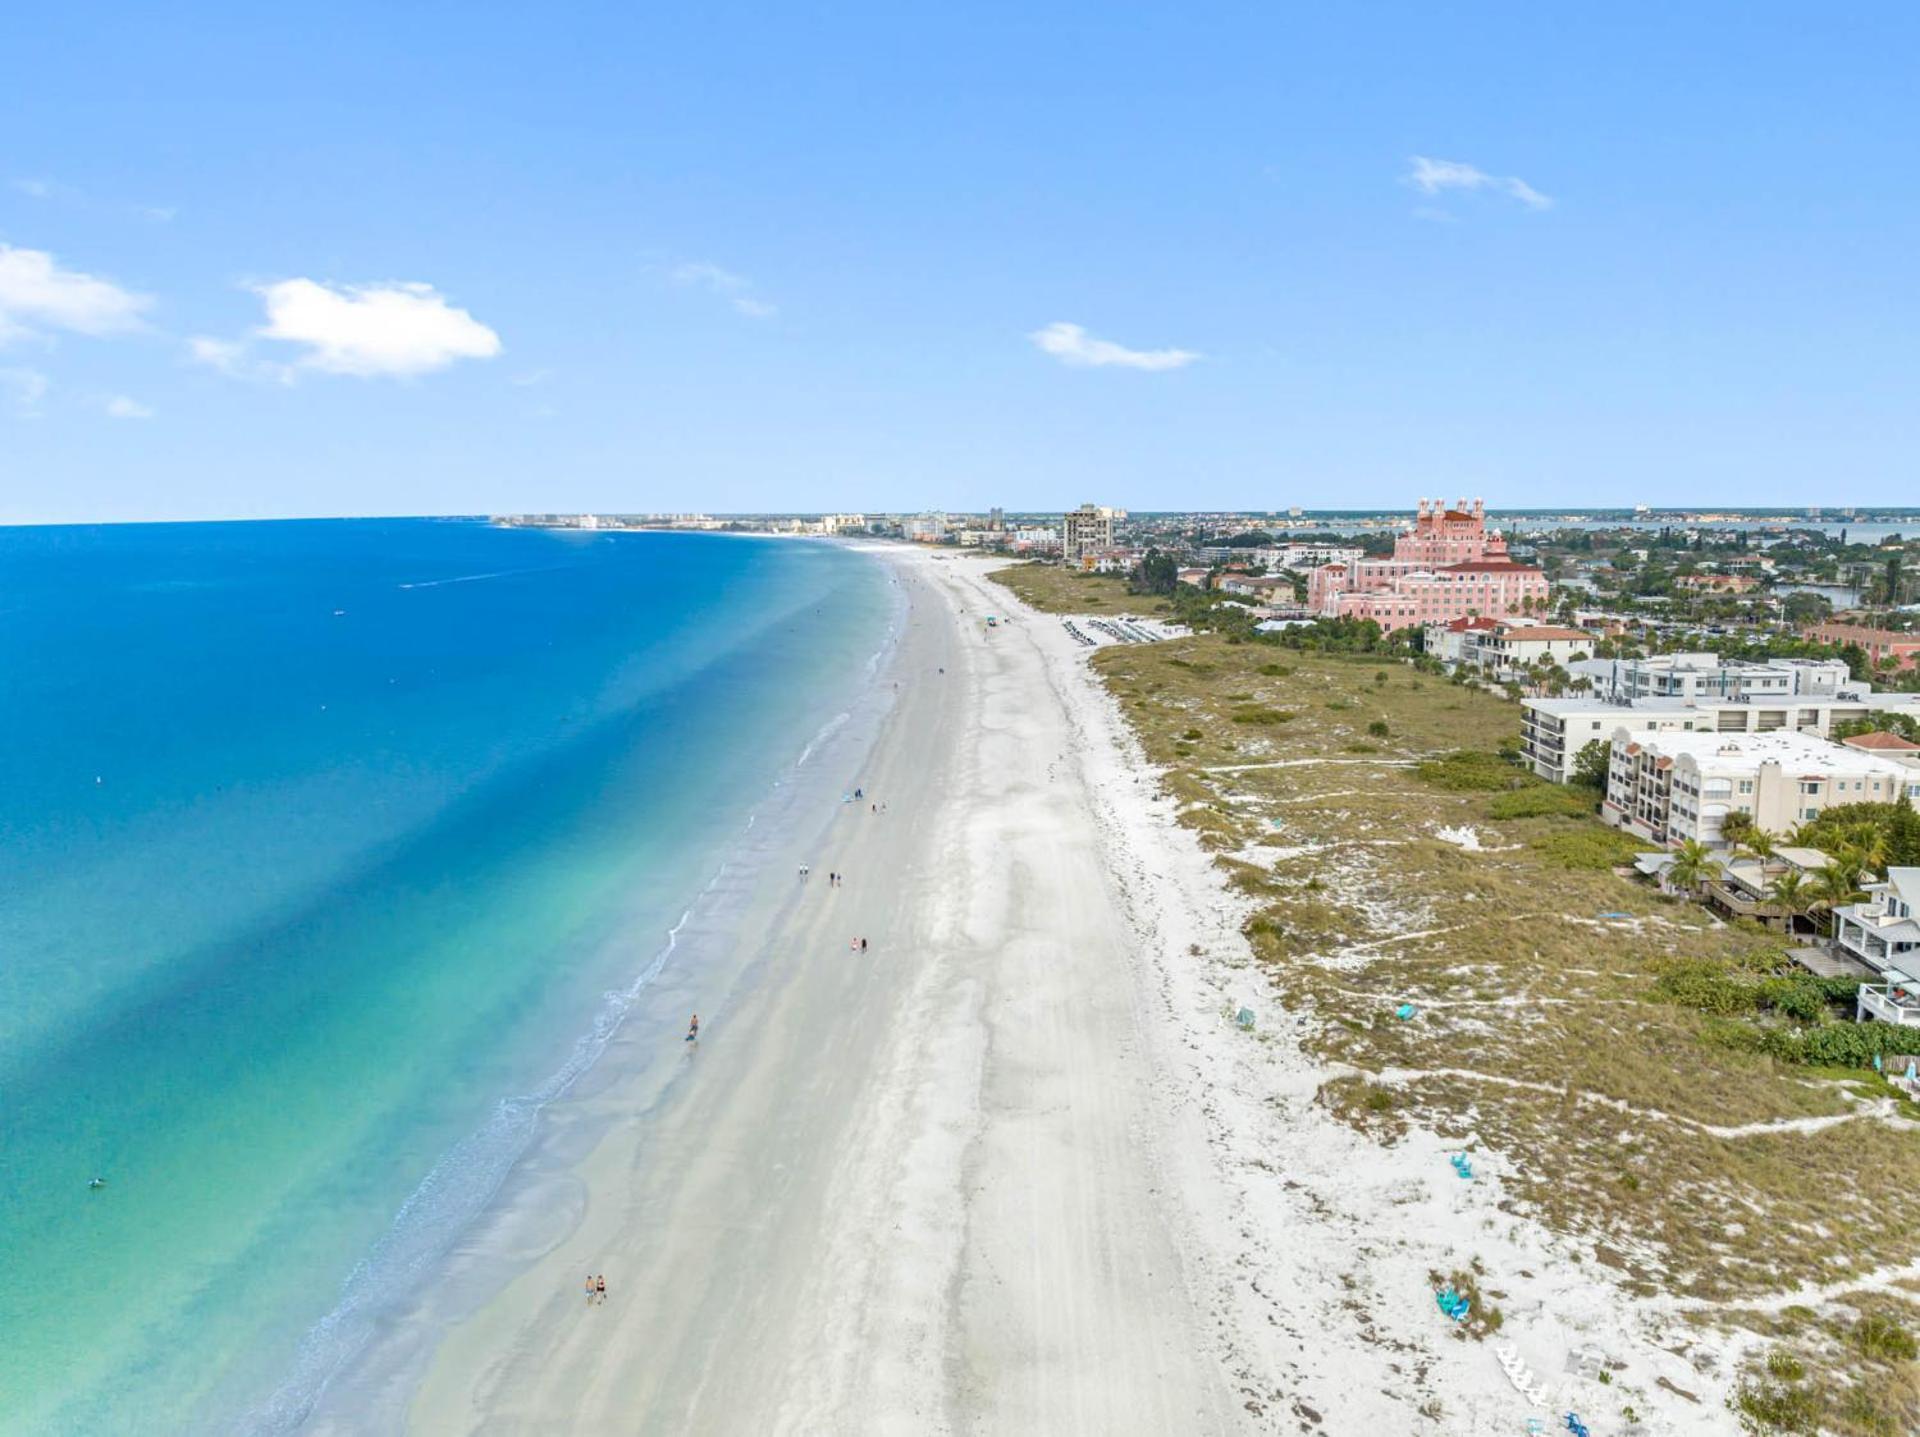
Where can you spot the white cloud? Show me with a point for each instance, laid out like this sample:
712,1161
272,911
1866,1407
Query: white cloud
1070,344
36,291
35,189
1433,177
22,390
366,330
121,407
735,289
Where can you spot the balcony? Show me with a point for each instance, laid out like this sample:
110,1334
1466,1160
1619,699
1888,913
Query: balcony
1732,901
1889,1003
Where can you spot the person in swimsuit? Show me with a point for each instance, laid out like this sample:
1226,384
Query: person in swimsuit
589,1289
693,1029
600,1287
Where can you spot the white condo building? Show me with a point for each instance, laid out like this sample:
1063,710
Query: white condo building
1670,787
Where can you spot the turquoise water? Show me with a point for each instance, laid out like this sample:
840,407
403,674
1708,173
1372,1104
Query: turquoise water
323,846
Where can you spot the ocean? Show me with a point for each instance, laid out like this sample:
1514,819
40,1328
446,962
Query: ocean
329,851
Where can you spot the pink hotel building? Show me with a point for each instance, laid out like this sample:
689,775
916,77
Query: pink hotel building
1446,567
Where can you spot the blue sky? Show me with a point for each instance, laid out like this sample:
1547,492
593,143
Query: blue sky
451,258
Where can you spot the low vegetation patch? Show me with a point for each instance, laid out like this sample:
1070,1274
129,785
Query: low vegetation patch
1468,770
1588,847
1260,714
1541,800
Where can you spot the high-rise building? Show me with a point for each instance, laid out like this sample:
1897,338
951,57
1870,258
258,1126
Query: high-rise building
996,520
1087,530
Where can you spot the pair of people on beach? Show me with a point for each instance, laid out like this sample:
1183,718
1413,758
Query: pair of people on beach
857,945
596,1289
834,879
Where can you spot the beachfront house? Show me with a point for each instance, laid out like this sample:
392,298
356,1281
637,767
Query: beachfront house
1884,931
1742,885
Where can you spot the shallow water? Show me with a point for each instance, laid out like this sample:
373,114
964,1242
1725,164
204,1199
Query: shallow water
324,847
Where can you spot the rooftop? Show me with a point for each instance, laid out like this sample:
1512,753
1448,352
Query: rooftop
1795,753
1545,631
1881,742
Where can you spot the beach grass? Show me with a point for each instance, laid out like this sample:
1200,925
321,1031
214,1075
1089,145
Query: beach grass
1056,590
1397,857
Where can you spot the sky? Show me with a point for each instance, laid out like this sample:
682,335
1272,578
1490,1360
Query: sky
435,258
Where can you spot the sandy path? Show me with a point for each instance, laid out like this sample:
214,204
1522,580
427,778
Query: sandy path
916,1190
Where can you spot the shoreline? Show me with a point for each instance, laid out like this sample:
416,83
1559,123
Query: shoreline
347,1377
912,1190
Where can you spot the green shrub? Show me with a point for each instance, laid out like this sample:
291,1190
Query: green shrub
1541,800
1467,771
1378,728
1260,714
1793,998
1785,1366
1277,671
1776,1407
1707,987
1831,1045
1882,1337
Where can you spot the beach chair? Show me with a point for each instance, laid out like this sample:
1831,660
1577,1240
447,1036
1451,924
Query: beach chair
1245,1019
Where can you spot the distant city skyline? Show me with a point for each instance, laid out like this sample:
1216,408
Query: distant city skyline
743,260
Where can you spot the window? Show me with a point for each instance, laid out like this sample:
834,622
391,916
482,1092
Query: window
1809,814
1746,785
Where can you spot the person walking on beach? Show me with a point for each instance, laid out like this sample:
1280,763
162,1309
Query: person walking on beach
600,1287
589,1289
863,945
693,1029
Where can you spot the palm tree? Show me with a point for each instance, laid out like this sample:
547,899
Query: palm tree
1759,843
1692,863
1835,886
1789,894
1737,826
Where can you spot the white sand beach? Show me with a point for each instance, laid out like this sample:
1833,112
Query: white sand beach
1012,1169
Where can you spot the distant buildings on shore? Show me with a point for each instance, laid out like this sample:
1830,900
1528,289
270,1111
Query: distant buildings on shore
1447,566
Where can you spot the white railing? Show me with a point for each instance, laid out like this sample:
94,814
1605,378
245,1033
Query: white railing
1880,1003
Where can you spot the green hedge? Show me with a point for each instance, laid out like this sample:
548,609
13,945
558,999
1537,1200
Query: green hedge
1468,770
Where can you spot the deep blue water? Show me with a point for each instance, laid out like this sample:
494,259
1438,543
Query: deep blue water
317,841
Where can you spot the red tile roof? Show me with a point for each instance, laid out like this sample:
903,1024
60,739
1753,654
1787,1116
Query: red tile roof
1883,742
